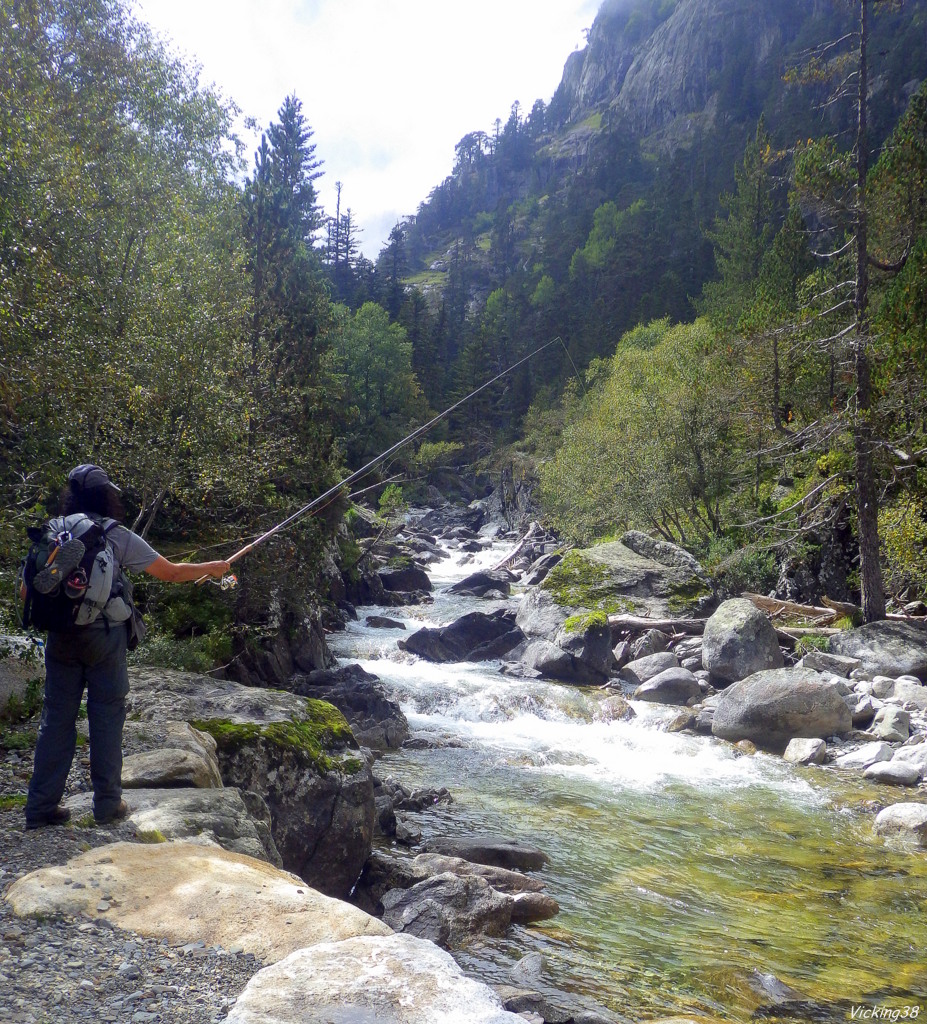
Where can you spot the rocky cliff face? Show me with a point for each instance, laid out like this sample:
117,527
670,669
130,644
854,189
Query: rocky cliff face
653,61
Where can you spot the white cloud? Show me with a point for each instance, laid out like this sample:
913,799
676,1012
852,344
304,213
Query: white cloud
388,86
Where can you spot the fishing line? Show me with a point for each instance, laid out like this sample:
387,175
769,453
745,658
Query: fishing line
331,493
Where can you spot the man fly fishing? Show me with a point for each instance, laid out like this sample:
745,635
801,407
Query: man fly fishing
74,586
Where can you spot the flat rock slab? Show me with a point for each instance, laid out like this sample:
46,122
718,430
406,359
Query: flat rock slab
186,893
501,879
888,648
500,853
398,979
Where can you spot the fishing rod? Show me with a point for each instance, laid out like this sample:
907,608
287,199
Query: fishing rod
228,582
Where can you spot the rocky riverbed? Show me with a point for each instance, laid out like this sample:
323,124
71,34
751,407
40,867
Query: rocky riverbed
509,761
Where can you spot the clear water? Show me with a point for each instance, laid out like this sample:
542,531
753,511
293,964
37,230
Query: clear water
680,865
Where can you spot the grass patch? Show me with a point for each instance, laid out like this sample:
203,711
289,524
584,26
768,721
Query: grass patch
12,802
150,836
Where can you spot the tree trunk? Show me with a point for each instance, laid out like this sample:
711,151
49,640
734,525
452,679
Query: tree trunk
867,498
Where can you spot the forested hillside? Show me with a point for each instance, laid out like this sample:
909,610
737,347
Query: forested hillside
699,157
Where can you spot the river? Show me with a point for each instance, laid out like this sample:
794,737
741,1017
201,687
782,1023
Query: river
681,866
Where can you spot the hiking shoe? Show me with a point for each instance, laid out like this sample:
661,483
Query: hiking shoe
65,560
56,817
117,814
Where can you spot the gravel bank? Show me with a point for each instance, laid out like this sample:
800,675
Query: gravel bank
78,970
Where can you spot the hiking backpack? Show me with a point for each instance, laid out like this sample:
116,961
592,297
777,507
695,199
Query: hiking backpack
92,587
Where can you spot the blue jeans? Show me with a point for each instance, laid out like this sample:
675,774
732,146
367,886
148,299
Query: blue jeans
91,658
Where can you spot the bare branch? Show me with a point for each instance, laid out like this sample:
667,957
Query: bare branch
791,508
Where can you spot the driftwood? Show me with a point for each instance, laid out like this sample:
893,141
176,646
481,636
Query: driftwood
844,608
774,607
534,531
637,624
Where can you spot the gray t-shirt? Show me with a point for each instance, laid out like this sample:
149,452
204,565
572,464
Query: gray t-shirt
134,552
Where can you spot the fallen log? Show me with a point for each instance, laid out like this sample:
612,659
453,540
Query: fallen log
638,624
533,531
790,635
845,608
774,607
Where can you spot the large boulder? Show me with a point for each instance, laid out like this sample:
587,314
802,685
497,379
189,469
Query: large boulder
738,641
892,648
635,574
448,909
376,719
771,708
185,893
478,584
638,672
473,637
297,753
398,979
208,817
405,579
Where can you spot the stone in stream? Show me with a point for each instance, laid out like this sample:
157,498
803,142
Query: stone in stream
906,820
448,909
671,686
739,640
614,709
473,637
652,642
394,979
477,584
382,622
770,708
893,773
806,751
915,754
405,579
864,756
500,853
891,647
638,672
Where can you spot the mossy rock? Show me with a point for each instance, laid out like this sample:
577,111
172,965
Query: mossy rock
312,739
614,579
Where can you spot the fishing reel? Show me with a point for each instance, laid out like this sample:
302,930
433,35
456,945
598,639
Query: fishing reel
229,582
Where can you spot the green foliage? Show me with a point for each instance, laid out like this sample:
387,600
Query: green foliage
433,455
903,529
19,709
200,653
12,801
651,446
392,504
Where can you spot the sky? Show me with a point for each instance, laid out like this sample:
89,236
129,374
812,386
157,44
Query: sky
388,86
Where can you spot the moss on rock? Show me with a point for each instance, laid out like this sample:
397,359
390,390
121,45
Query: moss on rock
580,623
577,582
311,738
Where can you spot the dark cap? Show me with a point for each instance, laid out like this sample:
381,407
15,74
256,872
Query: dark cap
87,476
